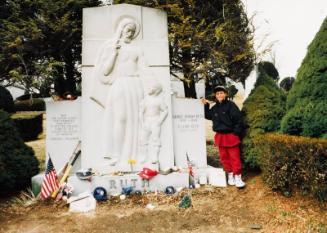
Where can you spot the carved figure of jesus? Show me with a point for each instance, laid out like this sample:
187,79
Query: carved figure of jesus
119,66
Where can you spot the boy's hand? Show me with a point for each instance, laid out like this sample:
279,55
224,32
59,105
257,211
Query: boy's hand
204,101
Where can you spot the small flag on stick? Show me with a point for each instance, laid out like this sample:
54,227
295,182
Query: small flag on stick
190,171
189,165
50,180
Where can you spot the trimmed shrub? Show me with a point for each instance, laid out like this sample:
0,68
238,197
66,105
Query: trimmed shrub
292,121
17,161
300,120
28,96
34,104
308,93
269,69
287,83
6,100
264,109
29,124
290,163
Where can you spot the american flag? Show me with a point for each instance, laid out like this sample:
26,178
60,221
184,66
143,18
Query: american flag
189,165
190,172
50,181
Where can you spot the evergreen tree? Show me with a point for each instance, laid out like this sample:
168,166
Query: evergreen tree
17,161
270,69
264,109
41,43
306,101
207,39
287,83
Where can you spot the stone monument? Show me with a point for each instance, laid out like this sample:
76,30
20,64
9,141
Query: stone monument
63,120
130,117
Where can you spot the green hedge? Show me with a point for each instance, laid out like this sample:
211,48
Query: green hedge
291,163
34,104
17,161
6,100
29,124
27,96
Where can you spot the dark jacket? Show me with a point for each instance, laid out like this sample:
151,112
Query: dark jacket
225,116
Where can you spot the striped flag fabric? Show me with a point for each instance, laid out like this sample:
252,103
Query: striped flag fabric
190,172
189,165
50,181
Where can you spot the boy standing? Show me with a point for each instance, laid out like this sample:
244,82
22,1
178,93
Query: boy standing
227,123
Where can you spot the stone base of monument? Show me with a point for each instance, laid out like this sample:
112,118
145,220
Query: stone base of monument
105,167
210,175
216,177
114,184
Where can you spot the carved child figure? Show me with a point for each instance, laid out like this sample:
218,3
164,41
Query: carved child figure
153,112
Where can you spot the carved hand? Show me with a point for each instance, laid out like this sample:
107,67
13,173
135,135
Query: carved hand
117,45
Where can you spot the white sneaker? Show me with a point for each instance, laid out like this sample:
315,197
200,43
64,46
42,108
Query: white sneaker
239,182
230,178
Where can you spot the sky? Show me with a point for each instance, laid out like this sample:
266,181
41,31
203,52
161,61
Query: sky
290,25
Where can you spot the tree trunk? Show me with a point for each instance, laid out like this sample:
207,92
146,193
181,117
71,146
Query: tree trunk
189,85
59,81
70,77
189,89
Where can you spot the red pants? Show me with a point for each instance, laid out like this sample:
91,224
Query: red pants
230,159
229,151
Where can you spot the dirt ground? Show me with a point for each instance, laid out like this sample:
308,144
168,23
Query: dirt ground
214,210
